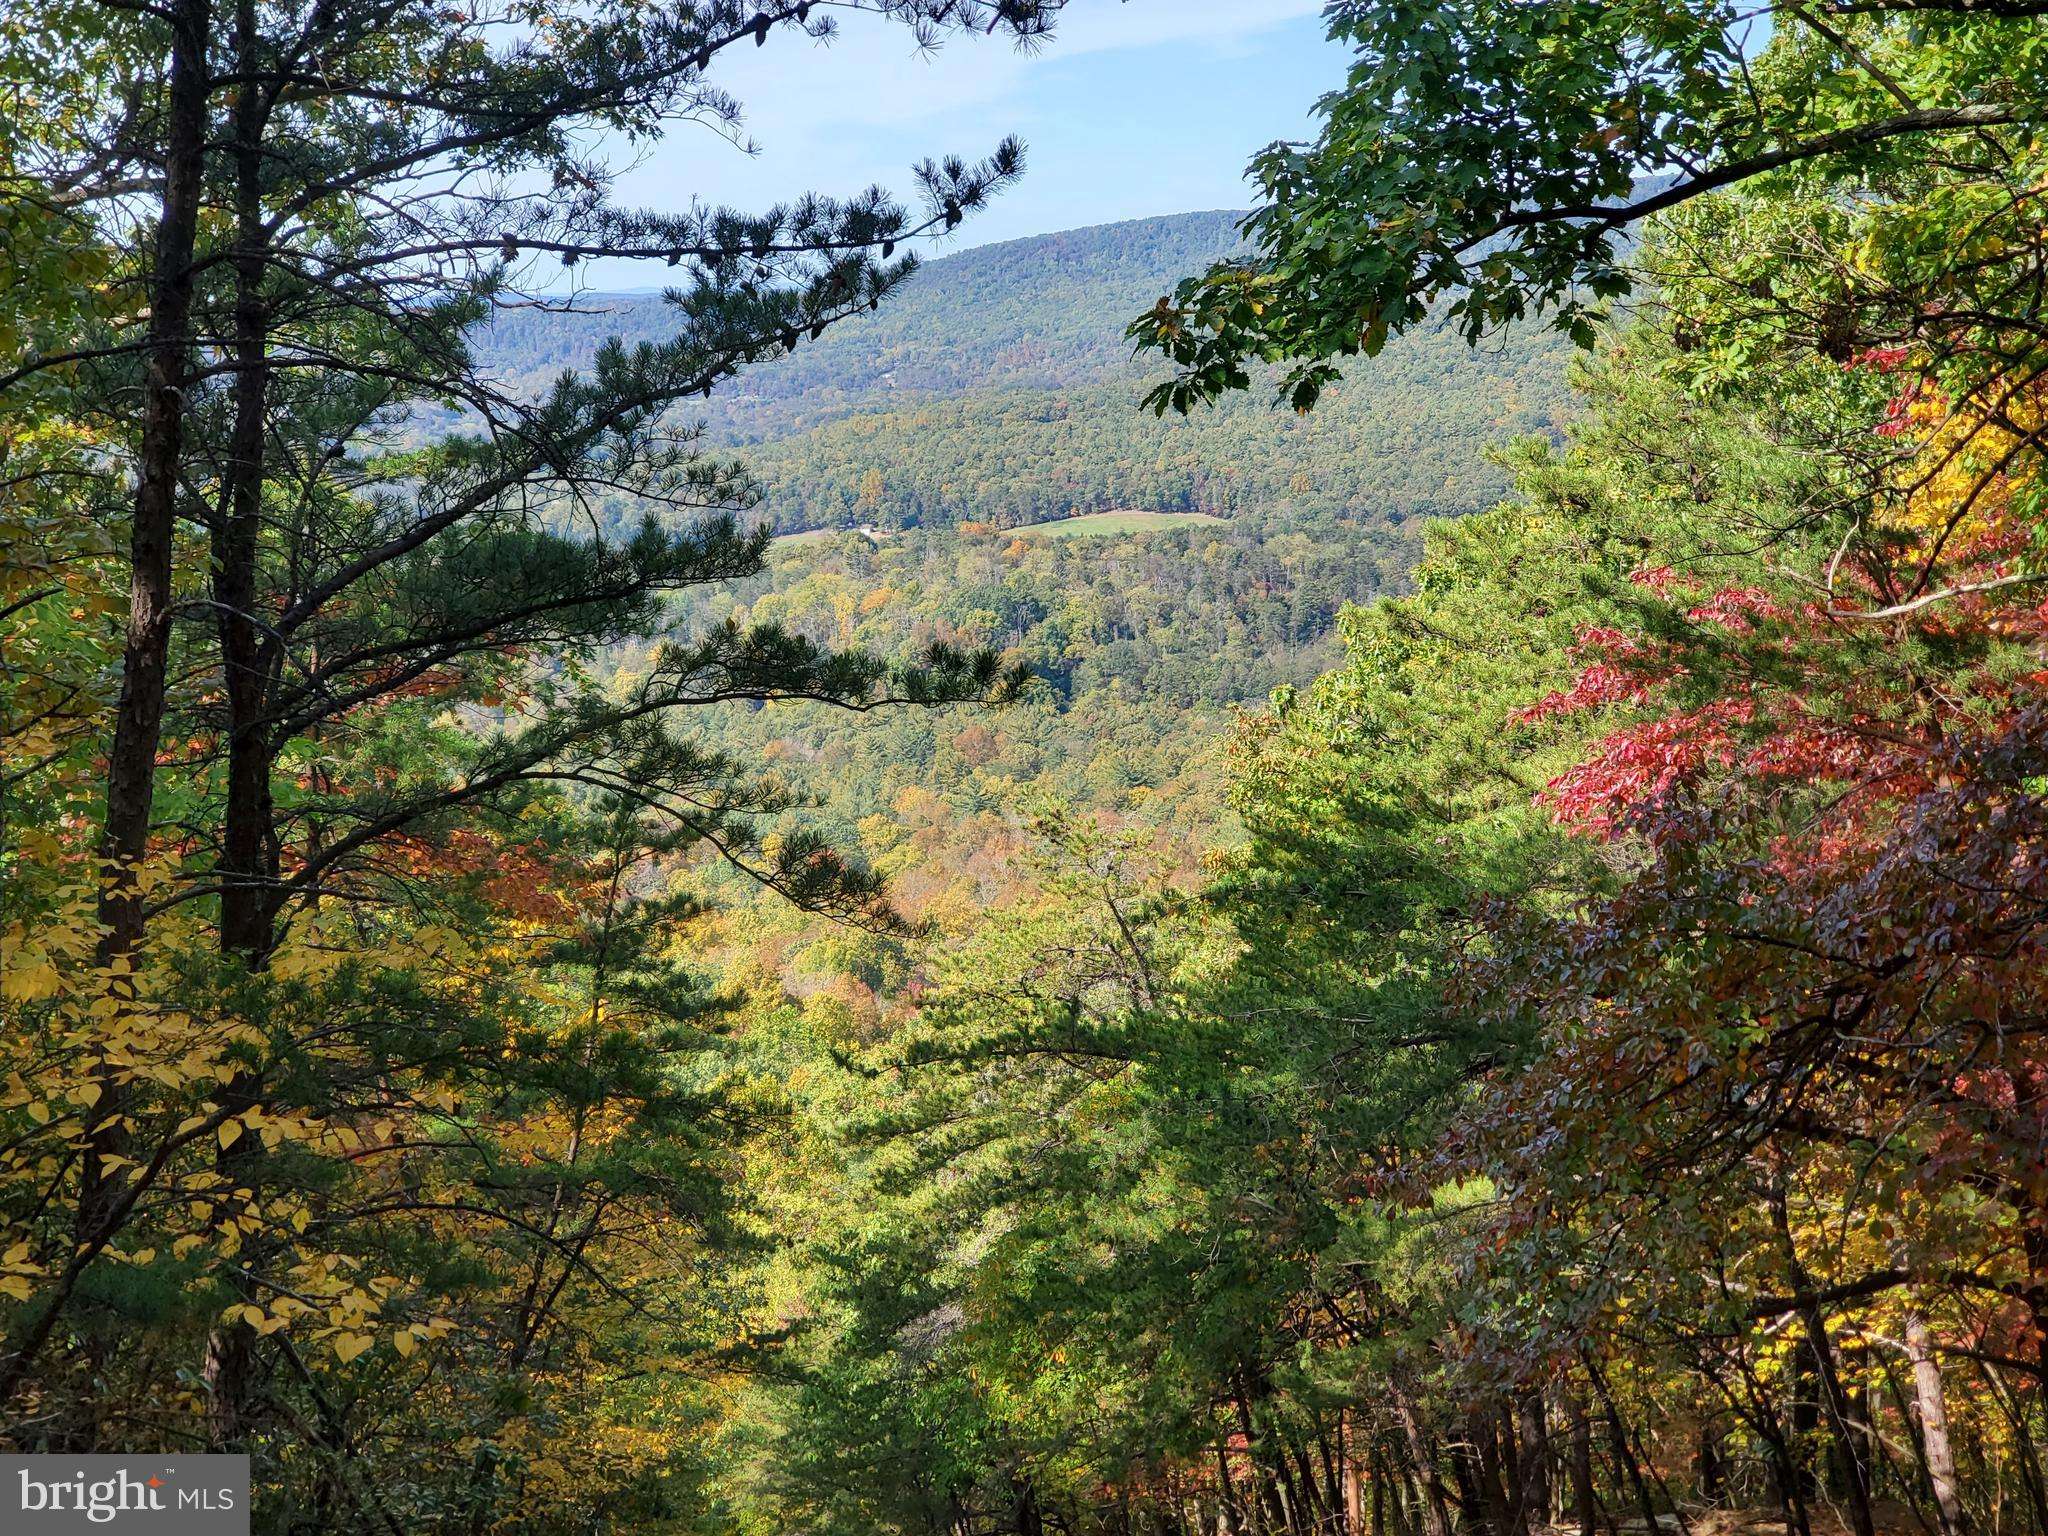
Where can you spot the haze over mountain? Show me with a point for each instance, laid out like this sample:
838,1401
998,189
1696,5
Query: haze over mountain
996,386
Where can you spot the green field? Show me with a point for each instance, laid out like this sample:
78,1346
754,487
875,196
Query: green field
1095,523
821,535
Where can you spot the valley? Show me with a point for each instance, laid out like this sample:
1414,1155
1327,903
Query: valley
970,467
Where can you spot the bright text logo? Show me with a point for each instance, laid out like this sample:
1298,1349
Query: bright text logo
145,1495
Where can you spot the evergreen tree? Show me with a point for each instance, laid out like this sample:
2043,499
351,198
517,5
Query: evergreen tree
348,652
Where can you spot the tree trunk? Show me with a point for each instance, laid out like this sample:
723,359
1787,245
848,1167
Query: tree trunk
1534,1461
1025,1519
1228,1517
1354,1484
1624,1456
1265,1488
1583,1508
1930,1414
1850,1436
139,717
1802,1419
1464,1461
245,870
1707,1462
1491,1470
1310,1490
1436,1513
1394,1496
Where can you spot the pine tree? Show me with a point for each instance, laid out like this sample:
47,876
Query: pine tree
385,639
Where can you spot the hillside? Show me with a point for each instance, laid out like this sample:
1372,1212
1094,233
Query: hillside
1046,312
996,386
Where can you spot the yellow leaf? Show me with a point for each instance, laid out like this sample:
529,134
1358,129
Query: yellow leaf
403,1341
230,1131
31,983
349,1345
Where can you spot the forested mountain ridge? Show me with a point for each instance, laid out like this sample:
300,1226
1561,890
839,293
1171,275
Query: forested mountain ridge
997,386
1042,312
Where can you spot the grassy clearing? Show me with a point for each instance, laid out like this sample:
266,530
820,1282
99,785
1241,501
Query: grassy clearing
1128,521
821,535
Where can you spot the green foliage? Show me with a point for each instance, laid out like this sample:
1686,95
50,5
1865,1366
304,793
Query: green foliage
1491,155
346,983
1604,1050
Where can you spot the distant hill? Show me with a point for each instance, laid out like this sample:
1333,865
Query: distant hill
996,386
1047,312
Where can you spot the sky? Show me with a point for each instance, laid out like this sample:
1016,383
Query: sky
1134,107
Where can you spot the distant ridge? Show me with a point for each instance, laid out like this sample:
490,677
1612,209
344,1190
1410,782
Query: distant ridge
1042,311
997,386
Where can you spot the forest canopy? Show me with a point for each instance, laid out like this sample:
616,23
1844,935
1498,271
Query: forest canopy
534,1006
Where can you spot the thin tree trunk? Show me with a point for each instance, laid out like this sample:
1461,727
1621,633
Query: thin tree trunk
1229,1514
1353,1485
1265,1489
1779,1438
1707,1463
247,901
2016,1411
1802,1419
1490,1468
1394,1498
1309,1487
1582,1469
1534,1462
1333,1483
1850,1437
1624,1457
1024,1508
1436,1514
1930,1414
1472,1503
139,717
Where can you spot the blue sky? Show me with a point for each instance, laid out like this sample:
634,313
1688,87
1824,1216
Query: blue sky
1136,107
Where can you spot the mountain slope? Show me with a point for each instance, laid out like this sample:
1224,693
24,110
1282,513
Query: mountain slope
996,386
1045,312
